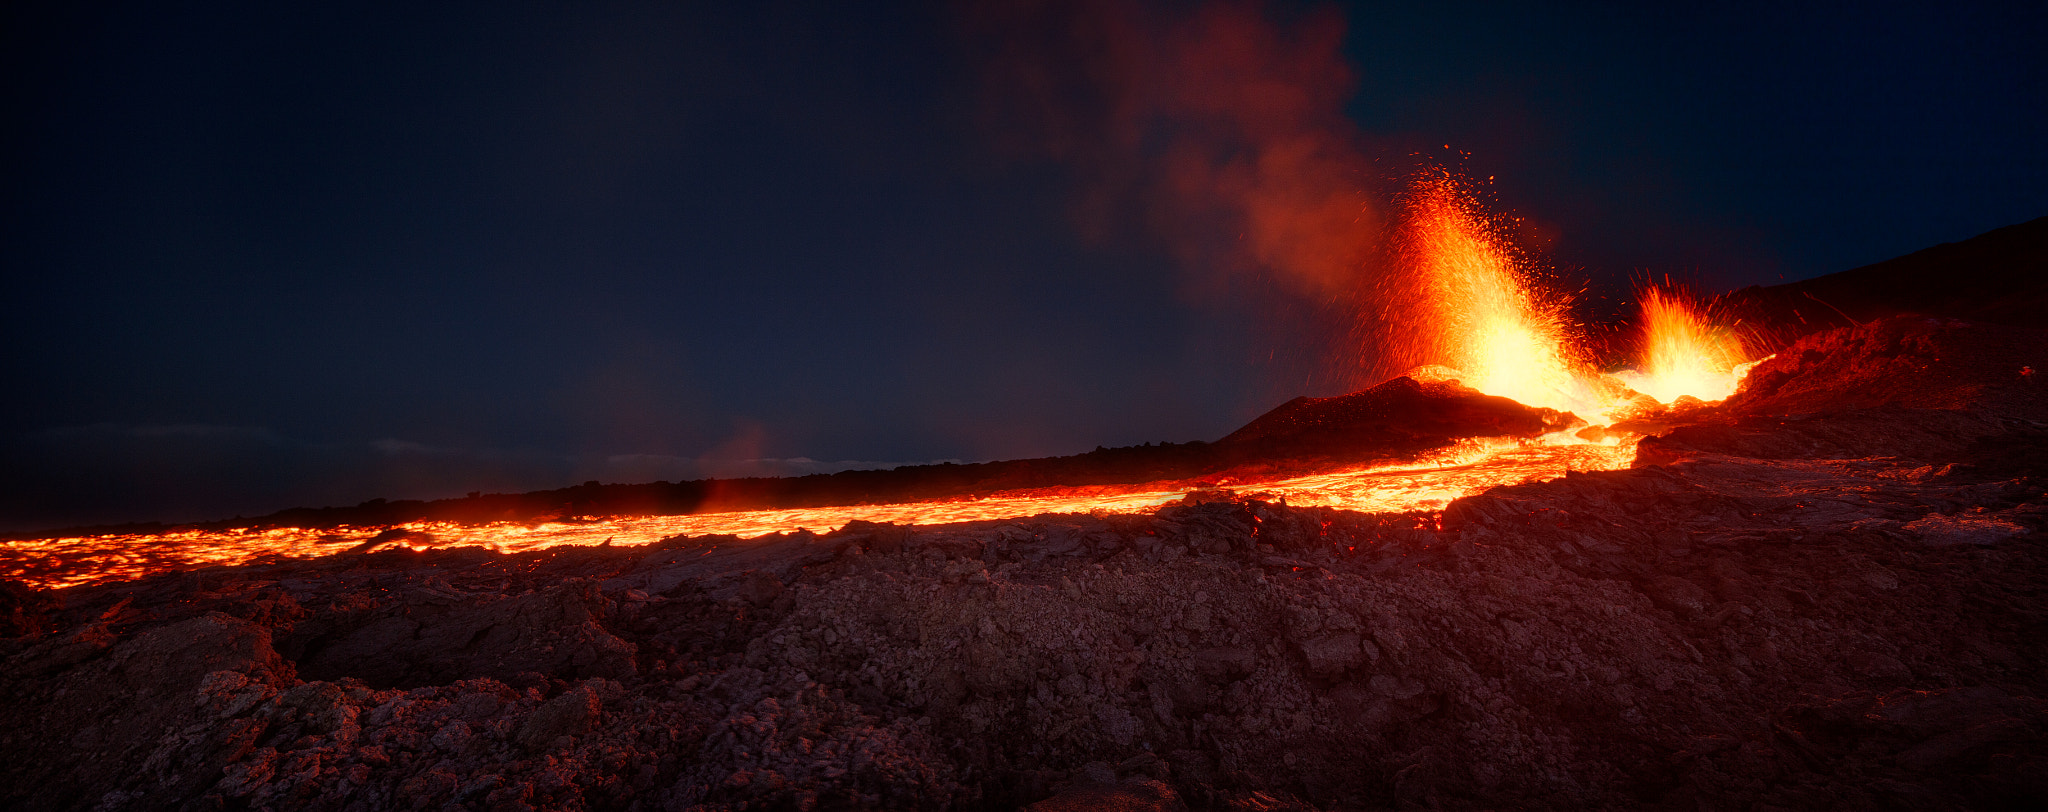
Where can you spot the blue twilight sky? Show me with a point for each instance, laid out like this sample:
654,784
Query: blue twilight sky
260,255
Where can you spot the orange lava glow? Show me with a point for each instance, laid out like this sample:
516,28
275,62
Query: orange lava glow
1478,308
1684,352
1480,312
1429,485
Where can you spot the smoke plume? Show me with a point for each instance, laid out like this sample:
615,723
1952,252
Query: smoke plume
1217,129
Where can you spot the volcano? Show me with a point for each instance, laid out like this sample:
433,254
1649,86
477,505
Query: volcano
1824,591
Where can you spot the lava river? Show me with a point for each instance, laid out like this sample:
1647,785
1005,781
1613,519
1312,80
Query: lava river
1424,486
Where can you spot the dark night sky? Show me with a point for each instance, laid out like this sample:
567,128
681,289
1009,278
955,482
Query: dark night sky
259,256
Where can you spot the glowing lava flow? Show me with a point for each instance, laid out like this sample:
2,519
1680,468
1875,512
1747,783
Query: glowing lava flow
1468,469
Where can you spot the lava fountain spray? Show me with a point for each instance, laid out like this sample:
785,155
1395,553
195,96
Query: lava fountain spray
1471,302
1685,351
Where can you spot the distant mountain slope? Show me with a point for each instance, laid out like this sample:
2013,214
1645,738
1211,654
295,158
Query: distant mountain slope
1999,277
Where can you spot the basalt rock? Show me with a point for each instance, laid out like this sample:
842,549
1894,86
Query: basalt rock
24,612
150,719
1905,362
430,633
1936,391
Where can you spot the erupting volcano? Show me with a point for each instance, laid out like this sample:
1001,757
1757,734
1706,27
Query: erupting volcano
1516,578
1471,309
1519,576
1497,497
1474,304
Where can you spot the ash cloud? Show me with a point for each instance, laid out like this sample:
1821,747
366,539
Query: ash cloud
1216,129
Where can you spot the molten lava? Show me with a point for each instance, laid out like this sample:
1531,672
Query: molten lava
1478,310
1684,352
1423,486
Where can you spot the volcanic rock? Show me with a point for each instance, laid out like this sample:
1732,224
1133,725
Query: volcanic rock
760,588
149,719
1716,632
1139,796
1905,362
24,612
1999,277
1938,391
571,714
432,634
1332,654
1400,415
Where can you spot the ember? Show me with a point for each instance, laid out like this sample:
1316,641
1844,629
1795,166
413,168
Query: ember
1684,352
1478,309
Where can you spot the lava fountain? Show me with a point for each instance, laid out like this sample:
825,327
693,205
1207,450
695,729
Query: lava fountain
1477,309
1685,352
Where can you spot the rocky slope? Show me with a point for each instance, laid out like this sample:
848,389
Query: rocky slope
1788,605
1998,277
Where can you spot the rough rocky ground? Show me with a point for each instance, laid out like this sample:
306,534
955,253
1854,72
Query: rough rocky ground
1782,607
